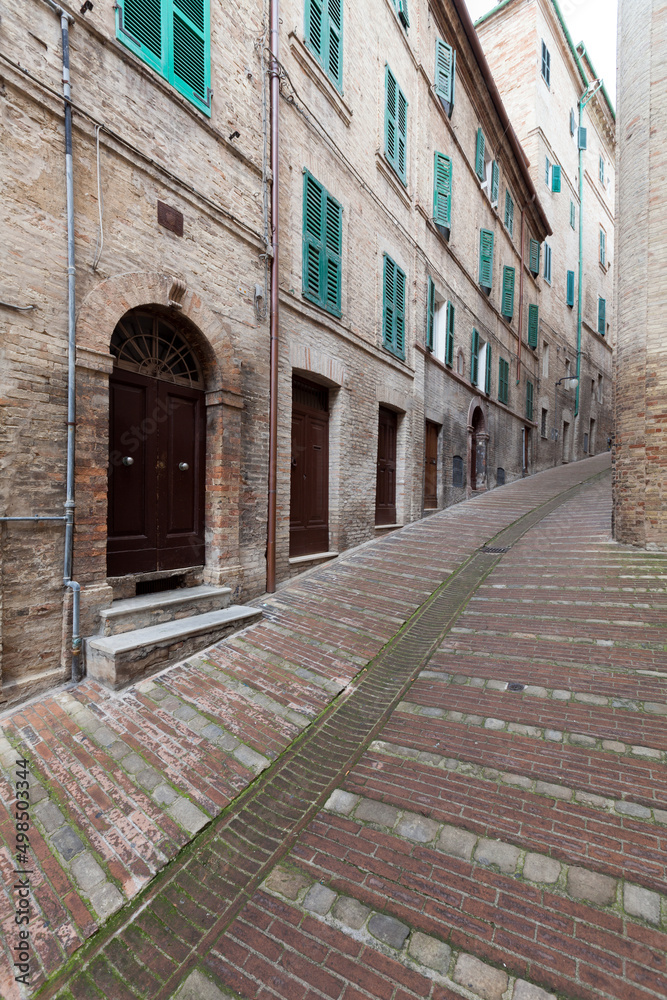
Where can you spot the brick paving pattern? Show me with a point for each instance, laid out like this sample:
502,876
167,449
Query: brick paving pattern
520,833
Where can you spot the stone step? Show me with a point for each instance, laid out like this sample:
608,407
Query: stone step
119,659
155,609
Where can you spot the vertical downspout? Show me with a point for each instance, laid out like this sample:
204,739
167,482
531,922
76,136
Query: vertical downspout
71,356
518,362
274,74
581,260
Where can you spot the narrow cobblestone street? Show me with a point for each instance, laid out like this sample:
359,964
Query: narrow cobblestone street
334,803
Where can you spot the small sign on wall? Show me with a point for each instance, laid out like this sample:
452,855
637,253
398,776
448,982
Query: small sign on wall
170,218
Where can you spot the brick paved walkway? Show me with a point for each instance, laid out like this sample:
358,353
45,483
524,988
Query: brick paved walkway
482,829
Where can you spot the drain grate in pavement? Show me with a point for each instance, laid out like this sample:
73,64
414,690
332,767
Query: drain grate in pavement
515,686
495,548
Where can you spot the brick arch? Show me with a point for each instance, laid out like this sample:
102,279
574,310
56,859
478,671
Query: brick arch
97,317
477,435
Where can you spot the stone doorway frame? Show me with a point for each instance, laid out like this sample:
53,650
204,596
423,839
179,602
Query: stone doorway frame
476,403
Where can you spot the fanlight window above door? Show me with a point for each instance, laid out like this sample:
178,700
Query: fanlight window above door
148,344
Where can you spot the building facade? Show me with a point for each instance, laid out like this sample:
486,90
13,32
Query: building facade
565,120
406,379
640,452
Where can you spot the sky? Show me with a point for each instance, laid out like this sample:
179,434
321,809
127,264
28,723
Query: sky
592,22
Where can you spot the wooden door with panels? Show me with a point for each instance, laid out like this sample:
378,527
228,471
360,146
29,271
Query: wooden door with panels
385,492
431,466
309,479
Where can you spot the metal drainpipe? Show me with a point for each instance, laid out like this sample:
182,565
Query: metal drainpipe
581,260
518,362
274,74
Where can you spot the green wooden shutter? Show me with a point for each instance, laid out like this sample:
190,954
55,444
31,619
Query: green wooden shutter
602,317
479,155
141,26
603,247
403,13
449,344
555,178
570,288
388,298
430,314
191,51
573,215
534,259
332,253
474,356
315,27
495,178
335,41
396,126
601,170
486,258
313,242
533,325
503,380
390,118
547,263
402,135
509,213
442,190
508,292
444,71
529,400
399,338
487,377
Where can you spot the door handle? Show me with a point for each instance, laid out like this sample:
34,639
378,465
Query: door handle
128,460
183,466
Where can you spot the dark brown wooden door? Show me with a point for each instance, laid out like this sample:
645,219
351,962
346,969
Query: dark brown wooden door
431,466
385,493
156,475
309,490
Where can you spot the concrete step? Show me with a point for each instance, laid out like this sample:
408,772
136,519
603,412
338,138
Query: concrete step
155,609
118,659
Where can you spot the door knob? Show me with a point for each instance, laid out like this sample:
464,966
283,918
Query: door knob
128,460
183,466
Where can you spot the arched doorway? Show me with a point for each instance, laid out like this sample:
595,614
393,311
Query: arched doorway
477,442
157,447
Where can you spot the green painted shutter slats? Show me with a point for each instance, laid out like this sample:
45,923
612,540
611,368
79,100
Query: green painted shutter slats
396,126
555,178
449,344
172,36
335,51
503,380
603,247
393,322
508,292
322,245
479,154
445,68
486,258
533,325
570,288
487,377
495,179
403,15
529,400
602,317
573,215
442,190
534,257
324,35
430,314
474,356
314,26
509,213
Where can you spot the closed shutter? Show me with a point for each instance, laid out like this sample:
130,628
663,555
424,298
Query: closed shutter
322,244
573,215
509,213
396,126
324,35
487,378
529,400
534,258
547,263
479,155
495,177
570,288
555,178
582,138
533,325
442,190
332,251
573,122
601,170
393,325
503,380
430,314
445,63
603,247
449,344
400,313
335,49
602,317
486,258
508,292
474,356
140,26
191,35
402,135
403,15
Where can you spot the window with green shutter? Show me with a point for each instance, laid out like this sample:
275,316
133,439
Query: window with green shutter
442,191
174,38
546,64
508,292
396,126
529,400
474,356
322,245
503,381
509,213
533,325
570,288
603,248
449,343
547,263
324,36
430,314
602,316
547,175
487,376
480,154
555,178
486,258
601,170
573,215
393,308
495,178
534,258
445,74
403,16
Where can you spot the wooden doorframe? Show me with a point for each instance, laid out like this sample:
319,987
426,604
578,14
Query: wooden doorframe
386,474
431,430
309,475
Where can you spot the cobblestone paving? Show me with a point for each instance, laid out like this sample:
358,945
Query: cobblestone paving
129,780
